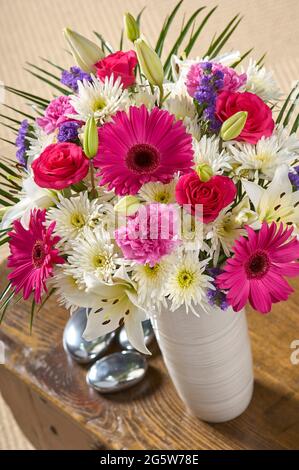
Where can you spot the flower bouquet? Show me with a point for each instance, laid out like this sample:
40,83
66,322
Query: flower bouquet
162,190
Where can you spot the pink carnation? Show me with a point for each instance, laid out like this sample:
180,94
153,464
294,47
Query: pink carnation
149,235
232,81
55,114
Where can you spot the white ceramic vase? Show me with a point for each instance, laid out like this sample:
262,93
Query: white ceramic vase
208,359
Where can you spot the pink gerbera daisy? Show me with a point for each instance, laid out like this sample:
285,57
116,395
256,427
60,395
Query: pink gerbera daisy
142,147
257,269
32,255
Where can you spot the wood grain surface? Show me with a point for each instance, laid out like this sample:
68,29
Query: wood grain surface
56,409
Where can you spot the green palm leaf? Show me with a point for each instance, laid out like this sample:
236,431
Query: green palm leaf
246,54
138,17
165,29
104,43
181,38
49,74
295,125
28,116
286,103
49,82
290,111
222,39
53,65
195,36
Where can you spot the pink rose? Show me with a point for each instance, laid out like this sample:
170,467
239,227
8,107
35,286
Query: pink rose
214,194
259,121
60,165
120,64
55,114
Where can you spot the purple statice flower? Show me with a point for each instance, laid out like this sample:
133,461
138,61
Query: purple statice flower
294,177
21,143
71,77
68,131
211,83
216,297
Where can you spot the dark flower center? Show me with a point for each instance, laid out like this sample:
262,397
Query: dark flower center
38,253
143,158
257,265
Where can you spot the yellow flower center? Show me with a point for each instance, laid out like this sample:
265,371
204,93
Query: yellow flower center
72,281
78,220
163,198
151,271
99,261
263,157
185,279
98,104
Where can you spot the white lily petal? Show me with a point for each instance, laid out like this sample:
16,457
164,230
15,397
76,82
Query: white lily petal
15,212
134,330
98,324
101,289
254,192
280,183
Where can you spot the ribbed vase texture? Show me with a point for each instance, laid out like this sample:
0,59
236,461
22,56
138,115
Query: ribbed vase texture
208,359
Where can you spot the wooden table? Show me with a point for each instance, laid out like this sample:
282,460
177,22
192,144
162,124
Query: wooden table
55,408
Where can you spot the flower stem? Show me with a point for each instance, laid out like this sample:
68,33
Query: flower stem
93,192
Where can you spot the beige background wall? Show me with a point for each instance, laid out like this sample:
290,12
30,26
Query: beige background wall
32,28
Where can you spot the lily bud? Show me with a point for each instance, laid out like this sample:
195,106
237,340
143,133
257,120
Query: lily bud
90,138
150,63
131,27
204,172
246,217
233,126
127,205
85,52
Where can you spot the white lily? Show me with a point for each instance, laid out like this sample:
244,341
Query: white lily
228,227
277,203
32,197
114,305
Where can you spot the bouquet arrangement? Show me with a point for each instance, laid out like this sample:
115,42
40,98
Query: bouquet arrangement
143,184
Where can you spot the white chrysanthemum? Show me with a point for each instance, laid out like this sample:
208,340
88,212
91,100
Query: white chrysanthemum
104,216
192,233
193,127
206,150
94,254
99,99
72,215
264,157
287,142
178,102
187,284
67,289
159,192
143,95
38,143
228,227
150,283
261,82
